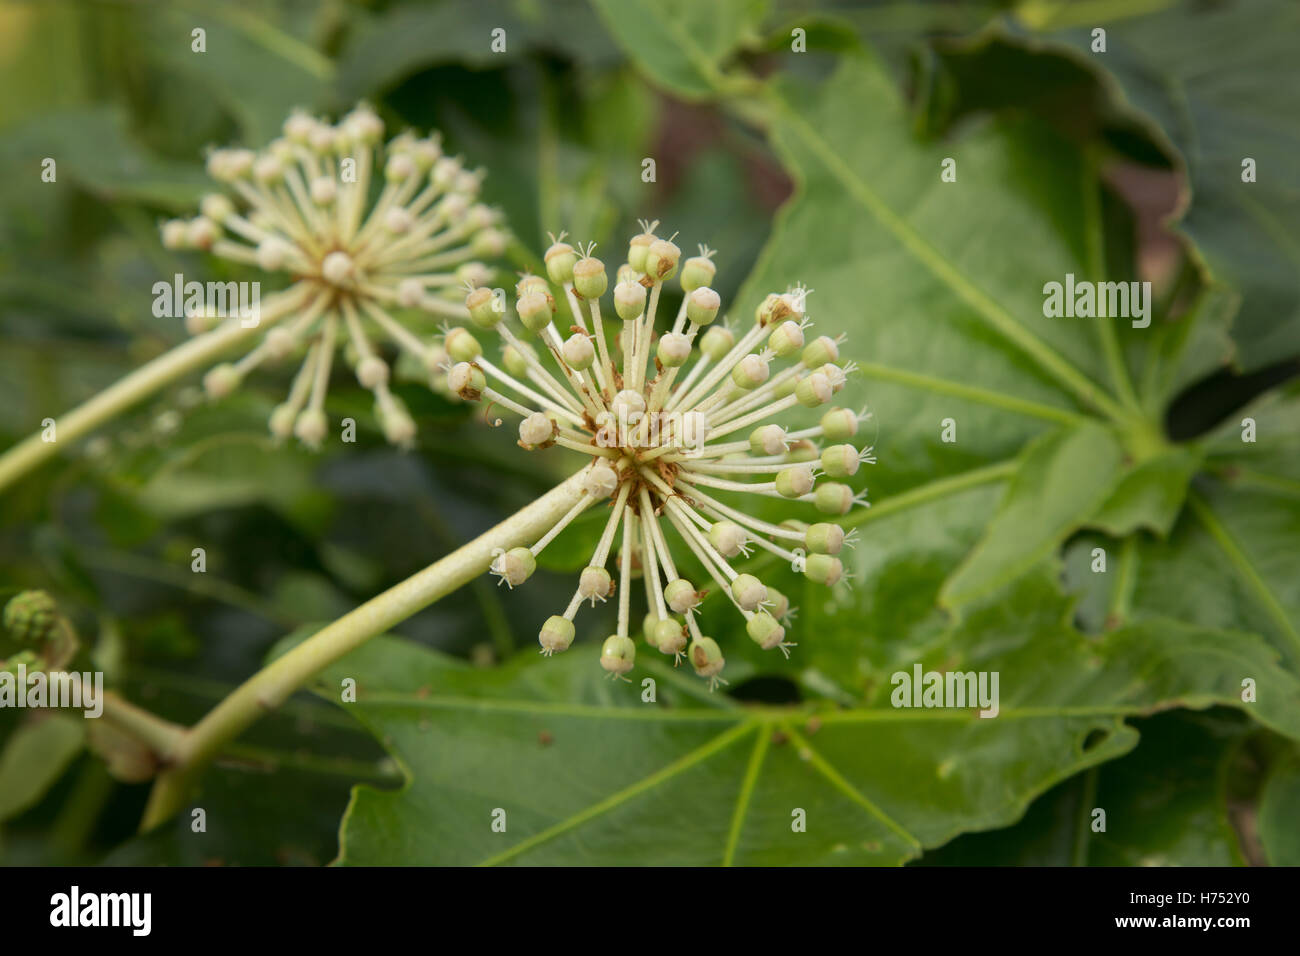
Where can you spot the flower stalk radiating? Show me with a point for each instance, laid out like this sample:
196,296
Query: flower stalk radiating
357,254
676,424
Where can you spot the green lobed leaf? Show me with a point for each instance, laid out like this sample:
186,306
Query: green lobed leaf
587,773
1165,805
1061,479
681,44
1214,81
1230,561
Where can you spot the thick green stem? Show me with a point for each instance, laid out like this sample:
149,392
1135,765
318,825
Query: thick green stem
272,685
197,353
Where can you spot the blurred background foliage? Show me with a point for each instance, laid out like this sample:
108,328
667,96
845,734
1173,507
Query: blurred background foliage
562,120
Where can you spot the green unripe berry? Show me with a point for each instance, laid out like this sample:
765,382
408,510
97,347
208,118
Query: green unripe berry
764,630
785,388
706,657
681,596
560,260
515,566
617,654
673,350
629,300
801,451
824,538
776,308
670,636
820,351
750,372
556,634
637,248
30,616
767,440
833,498
648,624
467,381
778,603
578,351
823,569
595,584
794,482
728,538
840,461
835,375
814,390
839,424
697,271
661,260
531,283
702,305
589,278
485,309
748,591
786,339
535,310
461,345
717,342
516,359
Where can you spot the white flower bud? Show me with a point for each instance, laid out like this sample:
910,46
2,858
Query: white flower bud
410,293
311,427
175,234
273,253
268,170
398,220
336,268
601,480
324,190
221,380
536,431
372,371
279,343
217,207
202,232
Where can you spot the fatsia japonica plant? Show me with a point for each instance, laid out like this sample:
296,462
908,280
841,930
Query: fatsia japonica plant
664,621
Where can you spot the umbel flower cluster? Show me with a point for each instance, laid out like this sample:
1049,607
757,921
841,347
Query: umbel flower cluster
362,229
679,423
